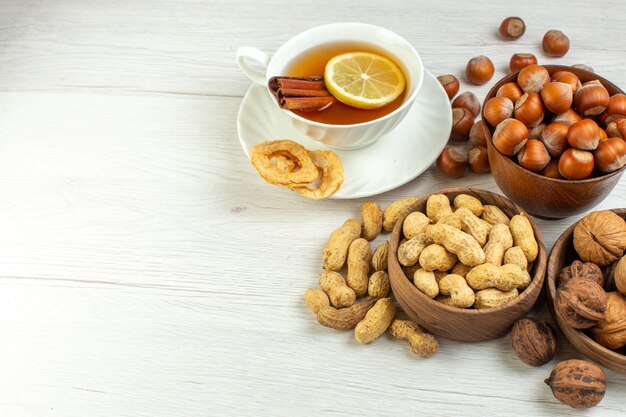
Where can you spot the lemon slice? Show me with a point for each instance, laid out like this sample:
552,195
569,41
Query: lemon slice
363,79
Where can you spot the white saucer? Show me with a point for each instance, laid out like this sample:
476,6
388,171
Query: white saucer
390,162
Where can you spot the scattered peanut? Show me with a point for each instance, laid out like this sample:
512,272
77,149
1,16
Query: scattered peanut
469,202
345,318
415,224
376,321
316,299
359,255
333,284
336,248
394,211
422,344
457,242
372,216
493,215
436,257
475,226
426,282
524,236
460,294
500,240
437,207
492,297
515,255
410,251
504,278
379,284
379,259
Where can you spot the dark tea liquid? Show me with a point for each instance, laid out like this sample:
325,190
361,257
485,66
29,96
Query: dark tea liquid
313,61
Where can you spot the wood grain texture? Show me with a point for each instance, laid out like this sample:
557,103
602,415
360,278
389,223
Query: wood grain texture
146,269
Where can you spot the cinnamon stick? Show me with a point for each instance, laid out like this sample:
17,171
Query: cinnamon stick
301,93
306,103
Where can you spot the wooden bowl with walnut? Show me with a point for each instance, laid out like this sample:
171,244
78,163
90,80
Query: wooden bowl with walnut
462,324
563,254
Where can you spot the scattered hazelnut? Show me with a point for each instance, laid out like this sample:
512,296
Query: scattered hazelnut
462,122
469,101
519,61
452,163
577,383
478,160
533,341
512,27
555,43
477,134
479,70
450,84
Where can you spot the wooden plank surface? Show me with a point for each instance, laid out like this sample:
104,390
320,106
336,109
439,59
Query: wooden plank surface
146,269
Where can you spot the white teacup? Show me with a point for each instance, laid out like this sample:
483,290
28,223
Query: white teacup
349,136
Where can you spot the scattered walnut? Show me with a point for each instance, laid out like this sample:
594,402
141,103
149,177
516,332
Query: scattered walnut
579,384
600,237
534,341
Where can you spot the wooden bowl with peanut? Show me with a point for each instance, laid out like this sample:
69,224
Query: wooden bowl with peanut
563,254
439,272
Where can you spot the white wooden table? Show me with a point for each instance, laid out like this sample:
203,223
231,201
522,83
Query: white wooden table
147,270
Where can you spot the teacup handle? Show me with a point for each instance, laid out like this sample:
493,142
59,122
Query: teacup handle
247,52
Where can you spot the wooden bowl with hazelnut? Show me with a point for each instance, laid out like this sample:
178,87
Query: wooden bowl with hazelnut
563,254
538,159
465,324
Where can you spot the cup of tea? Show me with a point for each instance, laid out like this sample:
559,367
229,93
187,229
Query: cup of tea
339,126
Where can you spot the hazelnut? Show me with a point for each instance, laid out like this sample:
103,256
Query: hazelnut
512,27
469,101
535,132
591,99
519,61
552,170
533,78
554,137
509,137
462,122
610,155
479,70
583,67
533,156
477,134
478,160
533,341
567,78
568,118
578,269
452,163
584,135
577,383
557,97
555,43
580,303
610,332
616,108
497,109
575,164
600,237
529,109
512,91
450,84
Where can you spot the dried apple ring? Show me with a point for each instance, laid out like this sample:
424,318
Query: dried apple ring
285,164
261,156
331,178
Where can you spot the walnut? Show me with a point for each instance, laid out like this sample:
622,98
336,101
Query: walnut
610,332
619,275
587,270
579,384
533,341
580,303
600,237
